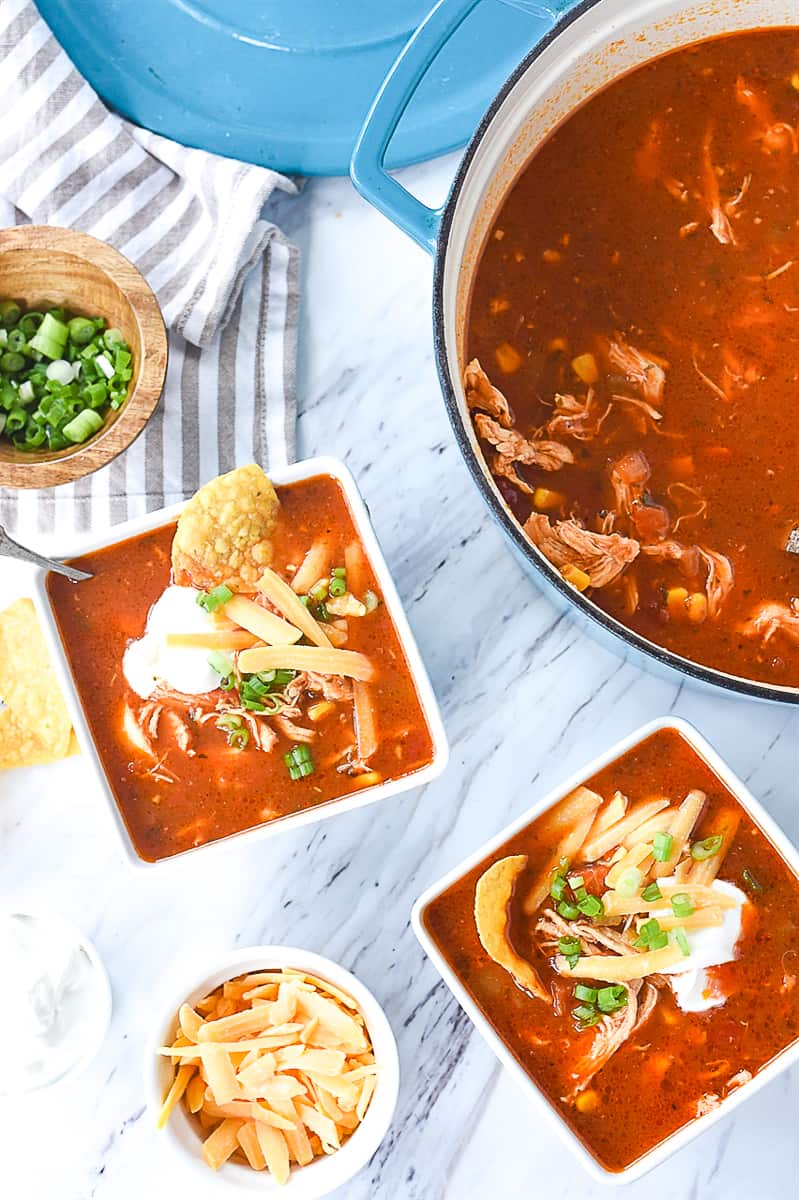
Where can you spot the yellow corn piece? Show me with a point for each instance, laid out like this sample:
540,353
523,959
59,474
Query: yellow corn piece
546,500
508,358
318,712
577,578
368,779
585,368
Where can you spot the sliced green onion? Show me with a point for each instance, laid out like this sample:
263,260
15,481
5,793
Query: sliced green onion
682,905
221,663
51,337
214,599
319,591
610,999
11,362
584,1013
570,945
648,931
238,735
337,587
10,313
339,572
299,762
83,426
557,888
749,880
629,882
584,993
576,881
651,893
681,939
569,911
591,906
707,847
661,847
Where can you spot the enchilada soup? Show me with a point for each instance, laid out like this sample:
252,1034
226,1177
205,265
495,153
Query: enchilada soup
223,696
636,947
633,352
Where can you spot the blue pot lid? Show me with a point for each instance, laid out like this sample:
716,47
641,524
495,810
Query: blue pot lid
286,83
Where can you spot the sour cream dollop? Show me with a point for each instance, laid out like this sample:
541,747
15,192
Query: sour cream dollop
694,990
151,660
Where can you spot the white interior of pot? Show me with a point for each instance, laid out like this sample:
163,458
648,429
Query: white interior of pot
608,40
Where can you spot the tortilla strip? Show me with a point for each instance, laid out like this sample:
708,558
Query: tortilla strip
599,846
307,658
619,968
680,830
701,897
491,899
705,872
574,815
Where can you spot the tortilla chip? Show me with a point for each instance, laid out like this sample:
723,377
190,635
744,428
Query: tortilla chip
224,532
34,724
491,899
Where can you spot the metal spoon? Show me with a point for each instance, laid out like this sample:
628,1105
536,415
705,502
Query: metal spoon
12,549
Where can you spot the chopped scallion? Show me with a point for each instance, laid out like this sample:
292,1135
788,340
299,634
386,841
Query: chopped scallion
681,938
569,911
591,906
611,998
661,847
586,994
214,599
682,905
629,882
707,847
651,893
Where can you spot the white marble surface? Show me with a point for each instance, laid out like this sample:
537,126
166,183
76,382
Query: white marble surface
527,698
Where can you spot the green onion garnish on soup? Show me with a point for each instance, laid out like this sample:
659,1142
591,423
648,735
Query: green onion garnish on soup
682,905
750,882
661,847
214,599
681,939
707,847
610,999
651,893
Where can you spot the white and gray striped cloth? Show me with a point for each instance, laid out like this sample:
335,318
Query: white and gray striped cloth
226,279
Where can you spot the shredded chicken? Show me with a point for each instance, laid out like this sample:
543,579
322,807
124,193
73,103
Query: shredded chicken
640,411
596,939
773,618
738,1080
603,556
629,477
482,395
510,445
706,1103
720,225
296,733
642,371
719,579
580,419
330,687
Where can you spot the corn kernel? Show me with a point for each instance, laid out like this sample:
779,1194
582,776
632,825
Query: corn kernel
545,500
588,1101
696,608
552,256
675,602
498,305
508,358
318,712
368,779
577,578
585,368
558,346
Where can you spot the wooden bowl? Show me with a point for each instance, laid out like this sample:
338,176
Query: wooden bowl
91,279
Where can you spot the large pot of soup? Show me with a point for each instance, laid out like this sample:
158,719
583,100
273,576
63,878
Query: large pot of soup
616,309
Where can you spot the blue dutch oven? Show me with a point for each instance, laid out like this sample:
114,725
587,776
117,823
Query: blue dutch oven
585,48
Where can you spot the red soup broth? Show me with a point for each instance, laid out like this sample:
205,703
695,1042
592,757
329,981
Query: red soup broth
220,790
659,1080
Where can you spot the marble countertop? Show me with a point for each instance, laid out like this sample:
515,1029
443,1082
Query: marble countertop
527,698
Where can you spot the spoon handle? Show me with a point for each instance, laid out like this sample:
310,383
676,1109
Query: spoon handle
12,549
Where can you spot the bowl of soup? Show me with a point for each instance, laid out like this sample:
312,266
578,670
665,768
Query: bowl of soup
627,948
241,664
614,325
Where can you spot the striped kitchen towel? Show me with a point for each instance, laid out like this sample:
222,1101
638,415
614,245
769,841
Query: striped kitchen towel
225,277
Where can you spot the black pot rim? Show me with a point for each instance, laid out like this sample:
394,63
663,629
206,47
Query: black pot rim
736,684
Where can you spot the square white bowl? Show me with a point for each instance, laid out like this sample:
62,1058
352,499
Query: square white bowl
681,1137
119,533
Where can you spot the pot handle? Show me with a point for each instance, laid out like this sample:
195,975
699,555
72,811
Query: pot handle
367,166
